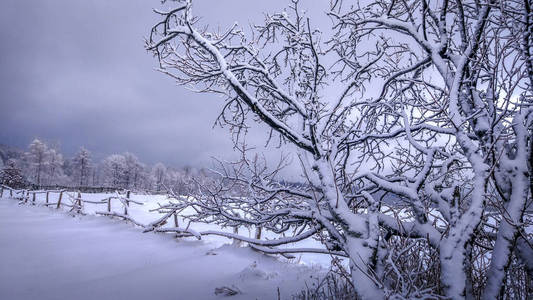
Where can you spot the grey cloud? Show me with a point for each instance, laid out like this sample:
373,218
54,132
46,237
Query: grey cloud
77,72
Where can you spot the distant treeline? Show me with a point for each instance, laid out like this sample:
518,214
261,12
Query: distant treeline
44,166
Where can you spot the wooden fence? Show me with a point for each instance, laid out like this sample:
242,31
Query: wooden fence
83,189
56,198
76,203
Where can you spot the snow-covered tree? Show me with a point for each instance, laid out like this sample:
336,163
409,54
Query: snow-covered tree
11,175
134,174
37,160
124,171
81,167
42,164
159,176
54,167
425,101
95,176
114,171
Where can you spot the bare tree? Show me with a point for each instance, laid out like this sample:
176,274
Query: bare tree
133,171
82,166
159,176
54,167
422,101
114,171
485,106
37,160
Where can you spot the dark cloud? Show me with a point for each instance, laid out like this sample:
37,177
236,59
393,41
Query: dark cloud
77,72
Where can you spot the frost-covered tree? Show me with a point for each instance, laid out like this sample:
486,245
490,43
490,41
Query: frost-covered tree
54,167
427,102
95,176
11,175
134,173
81,167
42,164
114,171
159,176
123,171
36,160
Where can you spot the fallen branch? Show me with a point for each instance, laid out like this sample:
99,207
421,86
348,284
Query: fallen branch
125,217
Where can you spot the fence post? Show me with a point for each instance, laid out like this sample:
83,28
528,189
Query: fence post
109,204
127,203
47,193
175,219
1,191
11,193
79,202
59,201
33,198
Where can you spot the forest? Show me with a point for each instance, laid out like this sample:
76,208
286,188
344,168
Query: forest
42,165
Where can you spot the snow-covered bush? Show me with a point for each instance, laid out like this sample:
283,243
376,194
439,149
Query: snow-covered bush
11,176
330,287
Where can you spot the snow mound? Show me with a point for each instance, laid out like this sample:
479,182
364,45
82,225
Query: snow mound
253,272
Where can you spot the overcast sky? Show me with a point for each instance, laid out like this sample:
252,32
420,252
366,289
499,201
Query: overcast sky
76,72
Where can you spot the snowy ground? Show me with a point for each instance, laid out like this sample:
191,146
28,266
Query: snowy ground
48,254
144,214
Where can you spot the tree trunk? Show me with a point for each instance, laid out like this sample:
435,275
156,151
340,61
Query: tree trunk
506,236
360,261
236,242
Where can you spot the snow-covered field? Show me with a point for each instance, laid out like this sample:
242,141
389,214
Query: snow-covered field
48,254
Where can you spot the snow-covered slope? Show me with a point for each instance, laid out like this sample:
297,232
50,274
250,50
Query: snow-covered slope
48,254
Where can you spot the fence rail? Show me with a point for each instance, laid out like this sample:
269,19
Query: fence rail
76,201
56,198
91,189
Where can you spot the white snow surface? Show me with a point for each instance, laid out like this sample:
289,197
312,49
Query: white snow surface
48,254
